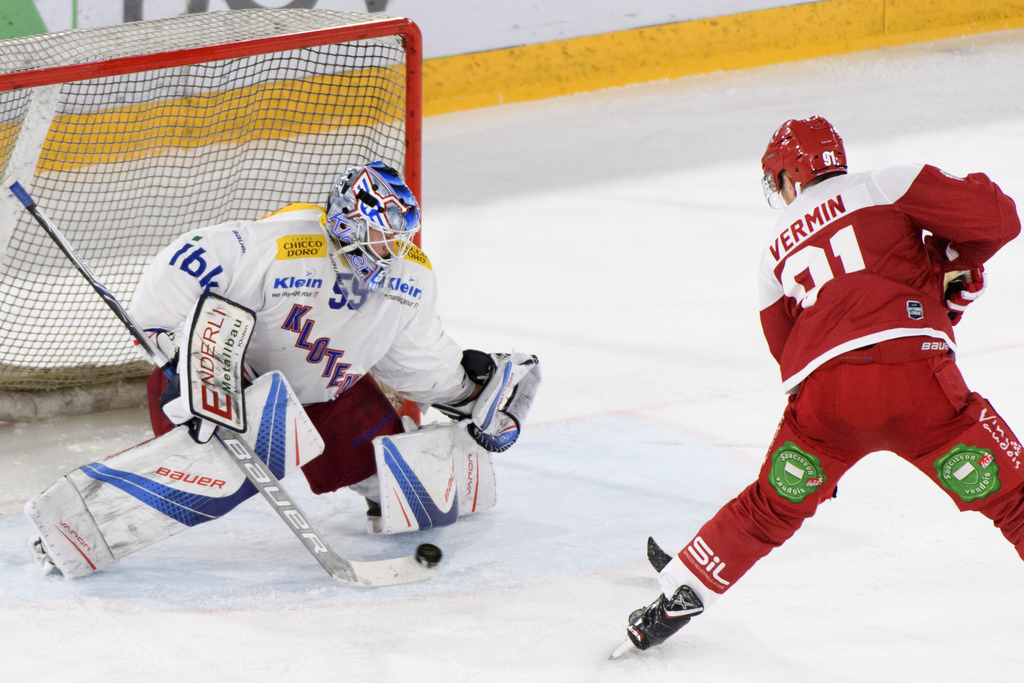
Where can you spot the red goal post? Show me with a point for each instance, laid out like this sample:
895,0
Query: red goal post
129,135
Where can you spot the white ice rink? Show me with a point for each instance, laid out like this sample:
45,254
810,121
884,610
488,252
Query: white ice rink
616,235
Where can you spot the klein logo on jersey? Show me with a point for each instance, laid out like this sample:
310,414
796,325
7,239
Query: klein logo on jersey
301,246
319,350
406,286
705,557
298,282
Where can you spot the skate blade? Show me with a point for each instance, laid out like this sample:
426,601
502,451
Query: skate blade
622,649
42,561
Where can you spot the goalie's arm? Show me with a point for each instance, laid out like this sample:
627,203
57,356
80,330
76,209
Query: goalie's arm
422,363
195,263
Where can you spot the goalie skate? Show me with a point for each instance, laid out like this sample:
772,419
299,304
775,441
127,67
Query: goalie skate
41,558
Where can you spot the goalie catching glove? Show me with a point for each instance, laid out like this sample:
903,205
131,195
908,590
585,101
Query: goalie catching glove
509,383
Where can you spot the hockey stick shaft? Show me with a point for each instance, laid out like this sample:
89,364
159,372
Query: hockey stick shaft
376,573
151,349
270,488
379,573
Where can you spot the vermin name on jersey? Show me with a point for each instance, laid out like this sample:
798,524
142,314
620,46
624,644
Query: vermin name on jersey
802,228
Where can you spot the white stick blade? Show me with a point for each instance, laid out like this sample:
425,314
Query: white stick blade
391,572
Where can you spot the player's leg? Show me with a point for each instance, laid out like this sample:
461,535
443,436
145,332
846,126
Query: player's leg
348,425
981,468
959,441
798,474
845,409
155,387
795,478
103,511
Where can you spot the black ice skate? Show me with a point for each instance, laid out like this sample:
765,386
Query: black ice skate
373,524
651,625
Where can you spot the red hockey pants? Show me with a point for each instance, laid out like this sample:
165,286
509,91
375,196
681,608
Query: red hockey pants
921,410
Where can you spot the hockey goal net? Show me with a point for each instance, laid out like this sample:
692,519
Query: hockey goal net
129,135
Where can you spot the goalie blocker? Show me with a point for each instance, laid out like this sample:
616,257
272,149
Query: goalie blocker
206,389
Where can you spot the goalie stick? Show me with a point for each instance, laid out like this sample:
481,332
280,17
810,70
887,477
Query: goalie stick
374,573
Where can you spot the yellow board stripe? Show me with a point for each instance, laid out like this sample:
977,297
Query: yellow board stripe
288,108
738,41
282,109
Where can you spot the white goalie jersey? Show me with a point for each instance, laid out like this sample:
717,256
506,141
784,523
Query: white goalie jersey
314,321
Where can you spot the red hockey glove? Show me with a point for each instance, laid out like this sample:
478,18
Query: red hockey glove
963,287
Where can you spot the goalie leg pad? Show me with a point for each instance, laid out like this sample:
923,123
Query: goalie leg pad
474,467
430,477
70,536
157,489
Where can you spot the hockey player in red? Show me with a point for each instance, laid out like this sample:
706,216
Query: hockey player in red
861,283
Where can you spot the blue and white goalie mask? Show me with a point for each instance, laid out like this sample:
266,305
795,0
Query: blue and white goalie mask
372,218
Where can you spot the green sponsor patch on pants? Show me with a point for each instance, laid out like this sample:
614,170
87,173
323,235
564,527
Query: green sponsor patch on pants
969,472
795,473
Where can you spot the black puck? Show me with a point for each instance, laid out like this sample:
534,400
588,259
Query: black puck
428,555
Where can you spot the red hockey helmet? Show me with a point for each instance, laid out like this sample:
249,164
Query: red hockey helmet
807,148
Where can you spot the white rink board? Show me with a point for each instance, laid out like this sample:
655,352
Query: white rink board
450,27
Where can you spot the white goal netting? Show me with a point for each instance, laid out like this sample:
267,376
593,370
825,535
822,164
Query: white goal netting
122,162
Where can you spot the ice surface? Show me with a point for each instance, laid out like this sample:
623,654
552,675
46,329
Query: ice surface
616,235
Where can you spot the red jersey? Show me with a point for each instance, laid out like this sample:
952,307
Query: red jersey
846,265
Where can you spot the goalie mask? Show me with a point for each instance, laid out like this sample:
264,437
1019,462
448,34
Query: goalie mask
371,219
808,149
